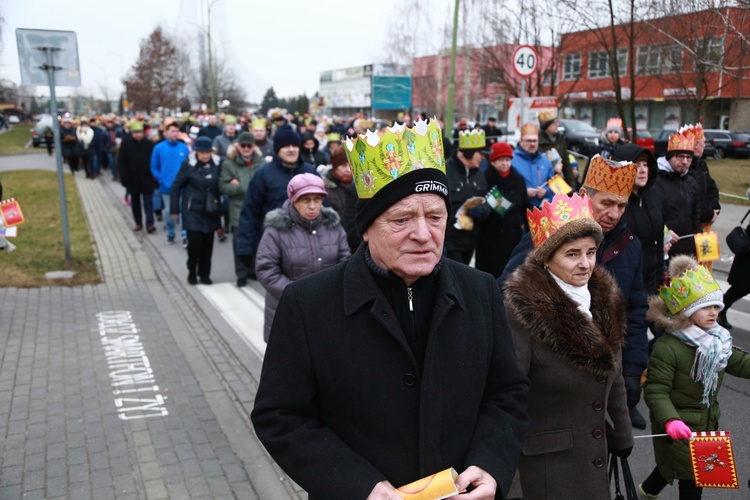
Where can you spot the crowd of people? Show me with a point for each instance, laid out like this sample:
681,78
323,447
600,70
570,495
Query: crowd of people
415,367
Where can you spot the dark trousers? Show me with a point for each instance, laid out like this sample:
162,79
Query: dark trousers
148,208
240,266
734,294
200,248
655,483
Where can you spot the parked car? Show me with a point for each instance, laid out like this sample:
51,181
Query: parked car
13,120
661,138
644,139
728,144
37,132
580,136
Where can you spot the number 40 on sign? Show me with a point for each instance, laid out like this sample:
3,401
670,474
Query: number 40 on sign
525,60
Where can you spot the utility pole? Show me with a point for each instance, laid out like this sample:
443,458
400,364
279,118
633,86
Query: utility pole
452,78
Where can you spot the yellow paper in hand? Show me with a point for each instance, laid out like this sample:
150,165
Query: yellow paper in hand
558,185
707,246
434,487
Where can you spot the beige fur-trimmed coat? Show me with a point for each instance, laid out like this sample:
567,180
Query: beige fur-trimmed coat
577,402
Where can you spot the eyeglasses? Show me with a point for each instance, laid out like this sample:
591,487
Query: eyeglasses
684,157
530,141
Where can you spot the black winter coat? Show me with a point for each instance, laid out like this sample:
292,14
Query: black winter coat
343,405
708,189
680,208
193,182
739,274
134,166
643,218
463,183
499,234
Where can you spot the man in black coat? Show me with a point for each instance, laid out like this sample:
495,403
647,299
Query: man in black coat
134,167
681,197
411,369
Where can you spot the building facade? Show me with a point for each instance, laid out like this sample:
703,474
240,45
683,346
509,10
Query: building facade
678,69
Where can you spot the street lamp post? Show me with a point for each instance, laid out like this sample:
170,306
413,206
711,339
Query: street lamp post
452,77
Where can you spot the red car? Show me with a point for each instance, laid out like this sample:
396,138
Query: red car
644,139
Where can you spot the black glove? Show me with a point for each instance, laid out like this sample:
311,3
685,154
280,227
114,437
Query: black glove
632,389
623,453
479,212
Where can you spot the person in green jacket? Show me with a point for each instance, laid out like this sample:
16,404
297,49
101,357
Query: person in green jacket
685,371
243,159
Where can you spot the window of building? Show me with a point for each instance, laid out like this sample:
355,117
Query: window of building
709,52
599,64
659,59
571,67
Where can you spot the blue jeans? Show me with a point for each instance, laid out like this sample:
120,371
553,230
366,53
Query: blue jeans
169,223
112,164
95,163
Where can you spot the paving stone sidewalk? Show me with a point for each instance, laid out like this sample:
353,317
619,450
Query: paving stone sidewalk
124,389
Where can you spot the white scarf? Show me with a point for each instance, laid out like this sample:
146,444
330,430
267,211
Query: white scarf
713,348
578,294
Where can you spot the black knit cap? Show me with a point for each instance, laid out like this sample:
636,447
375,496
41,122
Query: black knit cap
420,181
285,136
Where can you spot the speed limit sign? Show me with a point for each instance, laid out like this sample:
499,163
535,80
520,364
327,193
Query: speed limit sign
525,60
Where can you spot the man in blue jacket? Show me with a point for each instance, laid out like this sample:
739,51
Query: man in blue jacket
608,185
166,160
533,166
267,191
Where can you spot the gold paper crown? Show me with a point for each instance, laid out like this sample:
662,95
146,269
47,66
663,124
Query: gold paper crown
611,176
529,129
379,159
614,122
258,123
546,221
546,115
682,140
230,119
474,139
333,137
694,131
688,288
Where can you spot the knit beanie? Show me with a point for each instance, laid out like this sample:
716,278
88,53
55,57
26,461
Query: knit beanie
303,184
285,136
421,181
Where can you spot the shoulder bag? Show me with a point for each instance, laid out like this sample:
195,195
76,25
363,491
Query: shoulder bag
213,205
738,239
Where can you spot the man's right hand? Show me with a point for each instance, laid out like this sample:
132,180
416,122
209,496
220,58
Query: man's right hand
384,490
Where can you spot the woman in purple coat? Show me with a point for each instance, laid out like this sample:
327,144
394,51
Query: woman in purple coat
299,239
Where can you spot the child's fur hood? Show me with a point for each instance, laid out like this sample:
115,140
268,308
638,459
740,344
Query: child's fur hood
661,317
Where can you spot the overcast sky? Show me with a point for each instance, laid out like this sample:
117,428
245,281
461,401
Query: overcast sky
279,43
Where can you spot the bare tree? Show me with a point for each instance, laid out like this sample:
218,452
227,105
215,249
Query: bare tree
152,81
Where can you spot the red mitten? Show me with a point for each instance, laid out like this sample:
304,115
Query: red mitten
678,430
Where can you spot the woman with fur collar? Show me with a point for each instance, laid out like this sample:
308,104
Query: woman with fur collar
567,317
299,239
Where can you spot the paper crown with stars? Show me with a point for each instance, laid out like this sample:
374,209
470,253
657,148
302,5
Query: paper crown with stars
694,131
610,176
550,224
258,123
682,140
692,287
379,159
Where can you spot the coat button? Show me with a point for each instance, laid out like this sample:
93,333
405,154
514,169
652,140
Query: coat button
409,379
320,258
616,252
601,378
598,462
314,232
598,405
598,433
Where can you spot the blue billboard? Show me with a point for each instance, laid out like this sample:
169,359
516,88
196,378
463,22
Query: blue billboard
391,92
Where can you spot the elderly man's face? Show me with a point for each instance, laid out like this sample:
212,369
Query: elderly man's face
289,154
681,162
408,237
530,143
607,208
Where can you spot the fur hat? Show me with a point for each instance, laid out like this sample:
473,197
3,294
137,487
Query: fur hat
285,136
303,184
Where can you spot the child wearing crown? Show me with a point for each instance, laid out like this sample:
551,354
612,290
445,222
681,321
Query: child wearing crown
686,370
